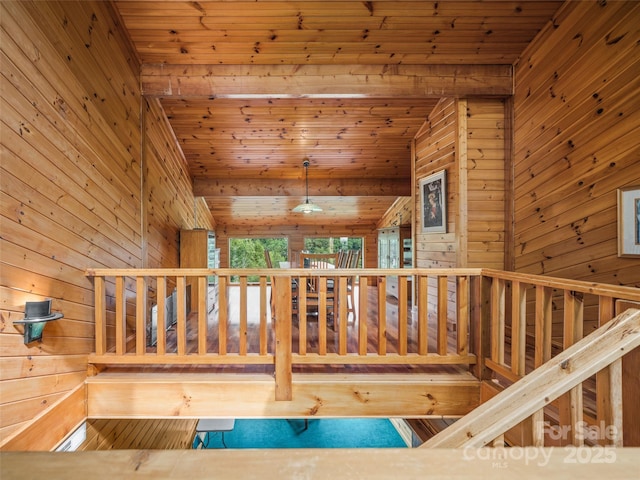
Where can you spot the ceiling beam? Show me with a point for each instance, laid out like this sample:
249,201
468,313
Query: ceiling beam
331,81
257,187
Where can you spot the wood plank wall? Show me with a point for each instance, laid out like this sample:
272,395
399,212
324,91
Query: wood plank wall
577,124
72,191
465,137
435,151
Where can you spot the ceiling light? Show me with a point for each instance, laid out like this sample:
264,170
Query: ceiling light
307,206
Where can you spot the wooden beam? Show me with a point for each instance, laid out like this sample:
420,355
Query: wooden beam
55,423
345,81
371,463
312,395
224,187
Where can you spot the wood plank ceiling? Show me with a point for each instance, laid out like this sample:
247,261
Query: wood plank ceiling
252,88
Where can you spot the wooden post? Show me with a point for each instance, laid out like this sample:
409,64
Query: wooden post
462,300
101,324
518,327
480,323
223,315
283,338
181,325
402,315
141,316
121,317
382,316
362,311
423,309
263,315
203,310
543,325
161,330
441,334
605,409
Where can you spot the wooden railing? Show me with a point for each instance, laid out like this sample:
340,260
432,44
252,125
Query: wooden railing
462,317
600,351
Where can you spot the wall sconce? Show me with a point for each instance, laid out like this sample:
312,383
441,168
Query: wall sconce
36,316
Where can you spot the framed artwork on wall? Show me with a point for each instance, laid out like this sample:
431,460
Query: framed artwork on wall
433,201
629,222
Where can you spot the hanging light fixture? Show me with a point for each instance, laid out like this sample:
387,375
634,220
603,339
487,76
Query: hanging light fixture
307,206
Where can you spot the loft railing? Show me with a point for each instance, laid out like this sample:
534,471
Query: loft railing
599,352
462,317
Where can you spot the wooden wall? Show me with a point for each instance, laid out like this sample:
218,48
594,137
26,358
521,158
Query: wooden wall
466,138
79,181
577,124
435,150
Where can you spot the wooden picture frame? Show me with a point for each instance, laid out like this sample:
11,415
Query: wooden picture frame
629,222
433,202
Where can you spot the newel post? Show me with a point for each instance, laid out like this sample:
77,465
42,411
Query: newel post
281,291
480,317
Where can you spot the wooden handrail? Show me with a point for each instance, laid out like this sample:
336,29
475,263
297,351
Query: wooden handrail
539,388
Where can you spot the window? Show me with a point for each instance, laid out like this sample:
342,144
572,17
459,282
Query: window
249,252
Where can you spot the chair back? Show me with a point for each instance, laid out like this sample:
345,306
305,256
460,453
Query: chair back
267,258
319,260
354,258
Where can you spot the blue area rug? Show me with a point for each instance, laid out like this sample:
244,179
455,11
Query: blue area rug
322,433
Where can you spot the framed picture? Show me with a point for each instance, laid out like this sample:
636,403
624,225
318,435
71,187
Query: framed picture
629,222
433,200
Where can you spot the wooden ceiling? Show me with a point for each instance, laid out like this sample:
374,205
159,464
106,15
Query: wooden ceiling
251,89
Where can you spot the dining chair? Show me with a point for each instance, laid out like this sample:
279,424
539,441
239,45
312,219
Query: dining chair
294,289
321,261
354,259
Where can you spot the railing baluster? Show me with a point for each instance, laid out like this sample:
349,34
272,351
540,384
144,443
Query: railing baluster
423,311
263,315
340,294
121,314
223,314
322,315
243,315
181,326
141,316
302,315
462,322
518,327
203,311
161,330
497,320
543,325
382,316
570,405
443,281
100,315
363,283
402,315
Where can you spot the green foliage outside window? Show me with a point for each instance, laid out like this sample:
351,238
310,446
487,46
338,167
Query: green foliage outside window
249,253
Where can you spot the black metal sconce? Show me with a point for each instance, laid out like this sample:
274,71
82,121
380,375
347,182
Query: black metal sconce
36,316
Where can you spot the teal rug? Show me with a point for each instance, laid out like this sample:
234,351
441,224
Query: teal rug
317,433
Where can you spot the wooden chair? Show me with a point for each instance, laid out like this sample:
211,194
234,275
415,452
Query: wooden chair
322,261
354,258
294,289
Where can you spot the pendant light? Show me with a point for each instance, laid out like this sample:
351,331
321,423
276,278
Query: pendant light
307,206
